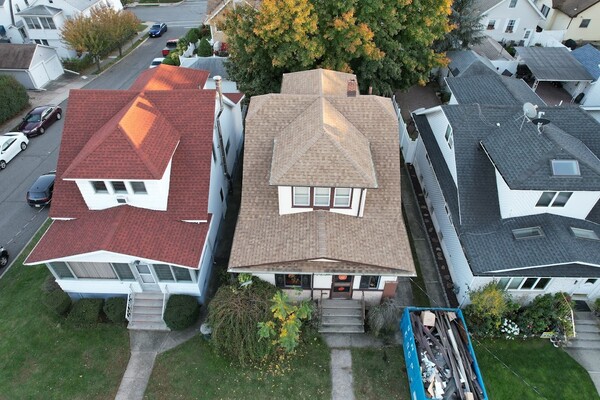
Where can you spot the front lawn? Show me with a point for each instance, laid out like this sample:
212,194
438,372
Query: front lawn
41,357
551,371
379,373
194,371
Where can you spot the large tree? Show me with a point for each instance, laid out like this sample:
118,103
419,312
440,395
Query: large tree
387,43
467,29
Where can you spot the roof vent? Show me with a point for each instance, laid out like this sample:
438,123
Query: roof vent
352,88
122,199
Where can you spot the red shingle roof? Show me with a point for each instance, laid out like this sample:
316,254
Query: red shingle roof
99,140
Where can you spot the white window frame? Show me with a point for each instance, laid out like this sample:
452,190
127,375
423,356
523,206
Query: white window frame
337,197
449,135
522,281
514,27
492,23
554,198
295,203
545,10
321,196
512,4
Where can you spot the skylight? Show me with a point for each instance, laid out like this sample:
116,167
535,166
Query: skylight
526,233
584,234
565,167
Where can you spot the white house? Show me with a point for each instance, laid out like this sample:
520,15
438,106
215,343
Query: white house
40,21
33,65
321,213
513,199
573,19
589,57
509,20
142,184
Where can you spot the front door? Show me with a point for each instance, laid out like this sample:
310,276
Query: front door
585,286
146,279
341,287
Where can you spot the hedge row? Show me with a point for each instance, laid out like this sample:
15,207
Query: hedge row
13,97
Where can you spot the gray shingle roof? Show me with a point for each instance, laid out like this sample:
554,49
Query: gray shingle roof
589,57
573,7
491,88
461,60
214,65
16,56
483,234
484,5
553,64
40,10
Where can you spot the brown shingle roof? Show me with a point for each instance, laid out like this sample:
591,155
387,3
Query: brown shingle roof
150,234
317,81
573,7
266,241
16,56
322,148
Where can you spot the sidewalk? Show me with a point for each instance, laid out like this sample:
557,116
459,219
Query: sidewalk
57,91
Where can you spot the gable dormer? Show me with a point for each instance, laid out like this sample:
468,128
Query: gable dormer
322,162
128,160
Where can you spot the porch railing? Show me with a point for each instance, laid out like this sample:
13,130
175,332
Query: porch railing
363,305
165,299
321,305
130,299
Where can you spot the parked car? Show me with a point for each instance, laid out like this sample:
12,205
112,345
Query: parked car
156,62
169,46
39,119
11,144
3,257
40,193
157,30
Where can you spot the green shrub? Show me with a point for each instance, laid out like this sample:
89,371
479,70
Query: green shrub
58,302
545,313
204,30
86,312
488,307
193,35
383,318
13,97
171,59
77,64
596,306
233,315
182,311
205,49
114,308
50,285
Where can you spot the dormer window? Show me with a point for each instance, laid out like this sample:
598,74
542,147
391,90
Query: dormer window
138,188
448,136
321,197
565,168
119,187
99,187
342,197
301,197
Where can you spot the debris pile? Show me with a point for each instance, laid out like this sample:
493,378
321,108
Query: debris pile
448,368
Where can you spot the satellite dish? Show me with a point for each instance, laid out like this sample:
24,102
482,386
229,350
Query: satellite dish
540,121
529,110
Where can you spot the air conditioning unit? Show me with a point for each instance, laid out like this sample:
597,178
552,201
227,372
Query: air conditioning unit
122,199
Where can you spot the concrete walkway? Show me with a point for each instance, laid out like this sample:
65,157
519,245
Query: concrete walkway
145,346
585,348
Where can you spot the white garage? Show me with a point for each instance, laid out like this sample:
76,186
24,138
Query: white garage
33,65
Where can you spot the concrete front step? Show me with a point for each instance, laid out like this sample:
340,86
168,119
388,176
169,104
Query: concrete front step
149,295
579,328
327,303
342,329
148,326
147,302
583,322
137,309
138,317
339,320
587,335
584,315
578,343
342,312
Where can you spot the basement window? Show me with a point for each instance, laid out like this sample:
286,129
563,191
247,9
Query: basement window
528,233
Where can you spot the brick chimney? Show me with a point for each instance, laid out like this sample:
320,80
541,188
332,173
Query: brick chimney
352,88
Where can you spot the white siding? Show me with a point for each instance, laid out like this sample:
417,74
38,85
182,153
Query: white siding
518,203
592,95
525,15
439,123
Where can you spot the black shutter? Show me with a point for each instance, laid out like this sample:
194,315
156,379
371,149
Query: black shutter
279,280
364,282
306,282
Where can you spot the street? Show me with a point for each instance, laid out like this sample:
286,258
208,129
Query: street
18,221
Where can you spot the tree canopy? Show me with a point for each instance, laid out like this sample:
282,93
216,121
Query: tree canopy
387,44
466,27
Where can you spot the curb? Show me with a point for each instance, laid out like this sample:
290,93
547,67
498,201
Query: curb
9,266
142,33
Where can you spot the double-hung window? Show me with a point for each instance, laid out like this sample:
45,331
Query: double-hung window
511,26
321,197
301,197
342,197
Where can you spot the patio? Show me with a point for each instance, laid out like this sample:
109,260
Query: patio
552,94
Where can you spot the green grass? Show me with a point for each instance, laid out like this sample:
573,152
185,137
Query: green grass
551,371
194,371
378,376
42,358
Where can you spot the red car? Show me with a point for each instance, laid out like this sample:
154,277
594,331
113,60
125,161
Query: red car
39,119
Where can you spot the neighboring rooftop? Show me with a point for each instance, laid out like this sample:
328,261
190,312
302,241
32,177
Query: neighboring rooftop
492,50
40,10
553,64
589,57
461,60
573,7
16,56
321,82
214,65
491,88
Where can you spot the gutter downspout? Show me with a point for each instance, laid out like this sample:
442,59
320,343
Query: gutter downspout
217,79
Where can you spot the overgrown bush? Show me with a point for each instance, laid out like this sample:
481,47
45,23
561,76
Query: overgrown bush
13,97
384,317
489,305
233,314
182,311
114,308
57,301
193,35
204,30
77,64
205,49
172,59
85,312
50,285
545,313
